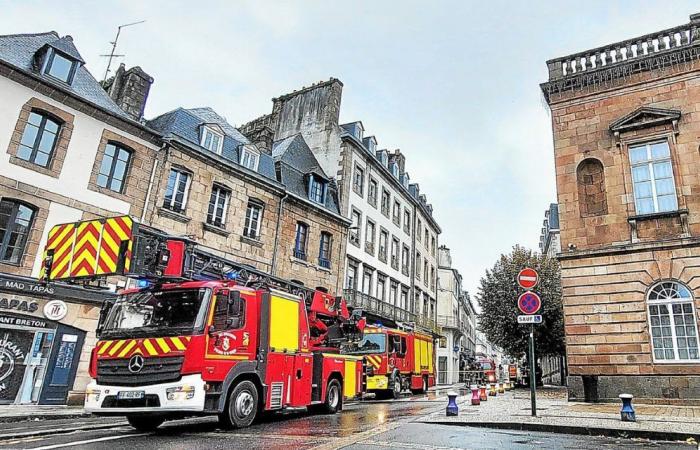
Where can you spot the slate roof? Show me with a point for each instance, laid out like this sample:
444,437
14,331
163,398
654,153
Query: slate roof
19,51
296,161
185,125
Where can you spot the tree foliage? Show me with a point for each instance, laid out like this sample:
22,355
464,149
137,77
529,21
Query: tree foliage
498,298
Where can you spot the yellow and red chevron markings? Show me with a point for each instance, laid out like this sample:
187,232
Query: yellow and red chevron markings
114,231
125,348
375,360
89,248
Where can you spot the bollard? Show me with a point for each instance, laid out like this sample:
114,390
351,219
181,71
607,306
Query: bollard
492,390
482,394
627,411
452,409
502,388
476,399
506,385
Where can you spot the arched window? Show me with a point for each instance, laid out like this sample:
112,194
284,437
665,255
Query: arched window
674,332
16,220
590,177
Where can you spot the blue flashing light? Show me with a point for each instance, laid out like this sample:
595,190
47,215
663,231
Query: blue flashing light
232,275
142,283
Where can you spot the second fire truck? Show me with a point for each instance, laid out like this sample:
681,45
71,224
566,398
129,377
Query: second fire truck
202,335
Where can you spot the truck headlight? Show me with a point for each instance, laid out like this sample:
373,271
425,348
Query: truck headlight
179,393
92,395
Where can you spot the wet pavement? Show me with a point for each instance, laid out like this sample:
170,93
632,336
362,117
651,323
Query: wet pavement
366,425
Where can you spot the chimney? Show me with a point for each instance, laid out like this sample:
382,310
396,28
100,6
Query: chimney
399,159
129,89
260,133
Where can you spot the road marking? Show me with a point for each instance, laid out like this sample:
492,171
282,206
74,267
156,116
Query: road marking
89,441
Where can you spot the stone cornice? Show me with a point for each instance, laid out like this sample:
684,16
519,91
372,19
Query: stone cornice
631,248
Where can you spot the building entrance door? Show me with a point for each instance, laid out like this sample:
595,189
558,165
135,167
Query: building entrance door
62,365
35,366
15,348
442,370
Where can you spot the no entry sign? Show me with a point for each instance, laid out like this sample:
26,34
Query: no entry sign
528,278
529,302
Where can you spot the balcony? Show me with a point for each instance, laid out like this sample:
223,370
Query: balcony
450,322
373,305
428,323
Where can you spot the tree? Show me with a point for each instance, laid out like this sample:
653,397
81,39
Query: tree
498,298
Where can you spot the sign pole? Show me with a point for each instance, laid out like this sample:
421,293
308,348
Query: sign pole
533,395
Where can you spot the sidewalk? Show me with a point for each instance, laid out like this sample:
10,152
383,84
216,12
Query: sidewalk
17,413
554,414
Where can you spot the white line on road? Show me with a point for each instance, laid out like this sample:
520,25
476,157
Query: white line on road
89,441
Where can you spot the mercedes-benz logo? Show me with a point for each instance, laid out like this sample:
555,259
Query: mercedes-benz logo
136,364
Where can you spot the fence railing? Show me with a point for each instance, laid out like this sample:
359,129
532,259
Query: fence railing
358,299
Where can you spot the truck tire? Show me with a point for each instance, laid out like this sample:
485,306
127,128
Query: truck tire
241,407
334,397
145,423
395,391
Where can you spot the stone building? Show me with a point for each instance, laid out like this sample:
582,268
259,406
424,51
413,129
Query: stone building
627,154
550,244
268,205
387,211
68,151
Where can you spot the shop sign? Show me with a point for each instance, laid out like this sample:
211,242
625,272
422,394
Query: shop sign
22,322
25,286
15,304
55,310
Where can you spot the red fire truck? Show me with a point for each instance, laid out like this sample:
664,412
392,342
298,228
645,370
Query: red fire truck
202,335
397,360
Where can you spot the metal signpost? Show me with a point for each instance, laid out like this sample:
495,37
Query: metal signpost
529,303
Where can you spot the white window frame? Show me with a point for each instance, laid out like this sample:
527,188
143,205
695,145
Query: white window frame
248,155
217,191
649,163
208,130
185,195
669,302
246,224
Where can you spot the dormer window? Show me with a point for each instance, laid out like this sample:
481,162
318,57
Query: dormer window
250,158
317,189
394,168
59,66
212,140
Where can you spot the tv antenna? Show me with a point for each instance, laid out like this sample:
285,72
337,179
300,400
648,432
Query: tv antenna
112,54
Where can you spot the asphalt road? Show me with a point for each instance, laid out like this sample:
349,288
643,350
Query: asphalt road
368,425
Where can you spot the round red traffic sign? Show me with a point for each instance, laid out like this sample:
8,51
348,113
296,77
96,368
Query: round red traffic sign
529,302
528,278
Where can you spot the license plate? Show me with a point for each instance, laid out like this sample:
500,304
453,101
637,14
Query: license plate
123,395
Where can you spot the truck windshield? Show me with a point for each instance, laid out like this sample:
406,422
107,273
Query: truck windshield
371,343
167,312
486,365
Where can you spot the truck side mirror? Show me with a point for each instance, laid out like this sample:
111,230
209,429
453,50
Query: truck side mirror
104,312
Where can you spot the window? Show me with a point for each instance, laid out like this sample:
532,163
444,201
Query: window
419,229
358,182
351,278
212,140
113,168
432,277
249,158
386,199
59,66
407,221
393,292
253,220
383,240
355,227
397,213
372,192
395,253
432,245
425,272
405,252
324,253
427,237
404,299
300,240
218,206
317,190
15,224
674,333
39,139
652,176
367,281
418,261
381,287
176,190
369,237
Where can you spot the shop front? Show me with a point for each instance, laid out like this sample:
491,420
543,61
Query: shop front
46,335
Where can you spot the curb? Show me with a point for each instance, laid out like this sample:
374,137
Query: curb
33,417
25,434
573,429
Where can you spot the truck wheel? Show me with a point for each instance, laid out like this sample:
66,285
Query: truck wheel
396,390
242,406
145,423
333,397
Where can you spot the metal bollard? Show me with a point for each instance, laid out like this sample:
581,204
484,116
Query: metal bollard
492,390
627,411
452,408
502,388
482,394
476,399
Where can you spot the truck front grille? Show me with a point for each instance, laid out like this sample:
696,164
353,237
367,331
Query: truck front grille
116,372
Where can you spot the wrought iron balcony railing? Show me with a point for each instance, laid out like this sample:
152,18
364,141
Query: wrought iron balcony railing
373,305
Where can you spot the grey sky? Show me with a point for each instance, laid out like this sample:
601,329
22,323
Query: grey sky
454,85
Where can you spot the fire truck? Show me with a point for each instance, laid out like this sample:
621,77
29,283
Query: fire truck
201,334
396,360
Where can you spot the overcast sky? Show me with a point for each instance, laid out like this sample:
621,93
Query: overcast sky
454,85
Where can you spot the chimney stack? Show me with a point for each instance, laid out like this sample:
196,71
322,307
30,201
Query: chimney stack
129,89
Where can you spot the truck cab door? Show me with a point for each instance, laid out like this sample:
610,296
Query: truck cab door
228,334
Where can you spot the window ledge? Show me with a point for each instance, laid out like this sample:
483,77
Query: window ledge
215,229
251,241
681,213
302,262
173,215
674,213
